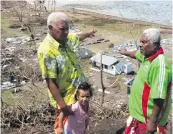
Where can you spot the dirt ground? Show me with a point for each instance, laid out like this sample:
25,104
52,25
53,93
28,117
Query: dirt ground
31,98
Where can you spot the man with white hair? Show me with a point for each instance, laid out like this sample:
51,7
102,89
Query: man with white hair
150,97
59,64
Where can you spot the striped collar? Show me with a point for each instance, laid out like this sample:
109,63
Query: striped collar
152,57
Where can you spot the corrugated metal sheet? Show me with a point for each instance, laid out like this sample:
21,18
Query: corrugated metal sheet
106,60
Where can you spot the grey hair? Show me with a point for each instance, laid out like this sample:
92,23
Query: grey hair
55,17
153,34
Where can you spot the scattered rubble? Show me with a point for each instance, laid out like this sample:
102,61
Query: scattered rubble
93,40
7,85
15,63
14,81
128,46
166,41
74,30
18,40
83,53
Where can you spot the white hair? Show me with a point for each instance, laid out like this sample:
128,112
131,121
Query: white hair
55,17
153,34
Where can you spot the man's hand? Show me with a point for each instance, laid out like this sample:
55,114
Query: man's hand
123,51
67,111
60,130
152,122
92,32
151,127
131,54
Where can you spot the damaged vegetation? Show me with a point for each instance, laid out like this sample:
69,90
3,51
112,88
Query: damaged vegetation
24,99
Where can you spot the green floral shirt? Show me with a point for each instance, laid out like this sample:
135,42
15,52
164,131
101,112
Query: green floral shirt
60,62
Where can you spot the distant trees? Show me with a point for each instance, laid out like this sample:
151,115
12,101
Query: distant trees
39,6
51,4
17,7
22,8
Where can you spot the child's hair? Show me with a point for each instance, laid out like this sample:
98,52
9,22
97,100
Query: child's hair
83,86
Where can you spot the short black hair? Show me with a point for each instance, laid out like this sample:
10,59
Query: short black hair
83,86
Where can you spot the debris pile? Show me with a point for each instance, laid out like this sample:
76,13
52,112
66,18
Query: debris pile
100,112
16,117
166,41
18,64
167,44
128,46
93,40
73,29
18,40
43,114
83,53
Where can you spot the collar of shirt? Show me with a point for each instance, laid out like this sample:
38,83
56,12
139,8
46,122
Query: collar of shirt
54,42
152,57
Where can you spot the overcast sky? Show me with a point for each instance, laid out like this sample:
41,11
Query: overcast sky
60,2
113,0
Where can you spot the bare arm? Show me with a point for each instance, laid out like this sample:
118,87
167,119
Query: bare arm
57,96
128,53
152,123
55,92
61,118
82,36
61,126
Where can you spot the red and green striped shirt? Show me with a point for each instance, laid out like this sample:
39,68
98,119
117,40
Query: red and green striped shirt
152,81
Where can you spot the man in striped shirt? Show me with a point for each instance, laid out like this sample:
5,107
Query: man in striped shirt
150,98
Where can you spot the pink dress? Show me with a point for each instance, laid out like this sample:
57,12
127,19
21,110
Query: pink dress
76,124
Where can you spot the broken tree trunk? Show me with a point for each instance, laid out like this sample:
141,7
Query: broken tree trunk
101,77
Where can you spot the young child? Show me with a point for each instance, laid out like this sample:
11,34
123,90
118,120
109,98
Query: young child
77,123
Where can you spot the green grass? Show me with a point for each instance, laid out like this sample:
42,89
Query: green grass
6,96
131,30
5,23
